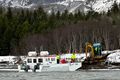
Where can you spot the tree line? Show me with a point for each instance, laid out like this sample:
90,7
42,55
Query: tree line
23,30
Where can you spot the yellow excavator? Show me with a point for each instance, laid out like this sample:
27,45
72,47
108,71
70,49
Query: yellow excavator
94,51
95,59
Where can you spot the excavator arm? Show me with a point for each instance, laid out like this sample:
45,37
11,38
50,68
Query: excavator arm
89,46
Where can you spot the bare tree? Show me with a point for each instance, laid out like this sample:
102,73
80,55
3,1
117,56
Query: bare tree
57,38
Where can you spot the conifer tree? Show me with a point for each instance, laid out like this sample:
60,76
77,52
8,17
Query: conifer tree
115,8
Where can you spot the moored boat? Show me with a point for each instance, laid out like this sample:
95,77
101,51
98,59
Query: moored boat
49,63
8,63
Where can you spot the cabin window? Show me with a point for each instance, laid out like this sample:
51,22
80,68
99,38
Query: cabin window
47,59
52,59
34,60
40,60
29,60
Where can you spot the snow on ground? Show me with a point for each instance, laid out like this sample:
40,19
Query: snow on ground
114,56
11,59
107,52
81,56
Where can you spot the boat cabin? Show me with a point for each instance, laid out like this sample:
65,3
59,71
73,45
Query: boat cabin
41,60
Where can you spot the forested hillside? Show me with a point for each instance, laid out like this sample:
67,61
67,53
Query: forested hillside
25,30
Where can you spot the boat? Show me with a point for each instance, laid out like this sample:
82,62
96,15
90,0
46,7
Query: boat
46,63
8,63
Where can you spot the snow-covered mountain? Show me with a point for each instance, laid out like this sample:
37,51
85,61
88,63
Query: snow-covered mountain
61,5
103,5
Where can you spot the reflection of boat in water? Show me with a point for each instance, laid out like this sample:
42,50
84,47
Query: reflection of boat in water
49,63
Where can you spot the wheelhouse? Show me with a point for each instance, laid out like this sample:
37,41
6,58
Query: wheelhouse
41,60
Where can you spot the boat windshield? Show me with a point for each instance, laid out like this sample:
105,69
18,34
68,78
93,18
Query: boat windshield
29,60
40,60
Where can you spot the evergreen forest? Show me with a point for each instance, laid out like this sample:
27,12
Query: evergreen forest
23,30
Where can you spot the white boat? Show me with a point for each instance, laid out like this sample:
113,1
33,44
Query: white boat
49,63
8,63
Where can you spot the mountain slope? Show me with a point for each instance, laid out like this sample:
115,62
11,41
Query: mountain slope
61,5
103,5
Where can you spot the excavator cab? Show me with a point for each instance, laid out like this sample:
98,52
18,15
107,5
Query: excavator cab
97,49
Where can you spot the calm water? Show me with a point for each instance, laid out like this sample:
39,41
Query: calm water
78,75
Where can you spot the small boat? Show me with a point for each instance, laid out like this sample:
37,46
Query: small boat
49,63
7,63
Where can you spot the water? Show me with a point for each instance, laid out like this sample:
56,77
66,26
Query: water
77,75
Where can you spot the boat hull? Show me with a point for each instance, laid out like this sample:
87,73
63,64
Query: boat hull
55,67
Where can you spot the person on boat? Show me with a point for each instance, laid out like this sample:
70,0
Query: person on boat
58,58
73,57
